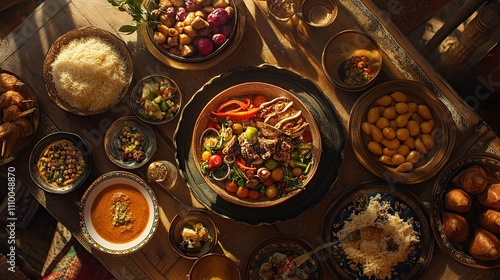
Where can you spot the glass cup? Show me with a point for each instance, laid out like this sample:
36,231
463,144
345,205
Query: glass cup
283,10
318,13
163,173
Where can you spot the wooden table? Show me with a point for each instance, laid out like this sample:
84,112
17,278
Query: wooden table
292,45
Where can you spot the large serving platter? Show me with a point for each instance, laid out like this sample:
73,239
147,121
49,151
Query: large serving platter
404,204
332,140
247,90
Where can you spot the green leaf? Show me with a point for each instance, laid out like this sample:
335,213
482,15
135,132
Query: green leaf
128,29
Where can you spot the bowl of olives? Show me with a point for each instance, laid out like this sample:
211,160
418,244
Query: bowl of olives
401,131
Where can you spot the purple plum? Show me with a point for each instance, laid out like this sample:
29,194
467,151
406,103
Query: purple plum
205,46
218,17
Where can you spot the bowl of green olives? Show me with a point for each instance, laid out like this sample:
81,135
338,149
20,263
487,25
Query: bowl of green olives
401,131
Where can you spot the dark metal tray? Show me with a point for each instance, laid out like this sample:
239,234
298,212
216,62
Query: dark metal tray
332,137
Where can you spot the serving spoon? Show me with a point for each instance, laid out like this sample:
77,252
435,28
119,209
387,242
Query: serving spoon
351,237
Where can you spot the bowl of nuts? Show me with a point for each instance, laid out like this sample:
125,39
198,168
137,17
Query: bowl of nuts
193,33
401,131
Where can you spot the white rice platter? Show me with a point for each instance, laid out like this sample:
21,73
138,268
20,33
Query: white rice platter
384,233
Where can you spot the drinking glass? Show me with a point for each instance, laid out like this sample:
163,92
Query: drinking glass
318,13
283,10
162,172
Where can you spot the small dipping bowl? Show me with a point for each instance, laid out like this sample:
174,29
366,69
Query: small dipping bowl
113,145
346,45
186,219
319,13
214,266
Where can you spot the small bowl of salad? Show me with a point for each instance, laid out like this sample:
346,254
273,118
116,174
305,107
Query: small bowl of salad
352,60
156,99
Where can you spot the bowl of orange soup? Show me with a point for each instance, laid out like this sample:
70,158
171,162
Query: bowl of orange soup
118,213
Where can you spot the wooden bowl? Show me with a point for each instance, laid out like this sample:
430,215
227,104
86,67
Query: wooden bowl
242,91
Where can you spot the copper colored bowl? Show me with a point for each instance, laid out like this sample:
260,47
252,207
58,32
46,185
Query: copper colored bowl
246,90
214,265
444,133
341,47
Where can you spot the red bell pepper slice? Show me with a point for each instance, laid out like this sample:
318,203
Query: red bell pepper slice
240,106
241,164
238,116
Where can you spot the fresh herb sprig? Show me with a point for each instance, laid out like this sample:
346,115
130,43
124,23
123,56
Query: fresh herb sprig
139,14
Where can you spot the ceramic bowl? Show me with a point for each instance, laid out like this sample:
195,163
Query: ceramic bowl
38,163
187,220
114,147
402,204
103,192
442,132
214,266
86,109
459,251
14,148
340,49
244,91
272,252
173,51
146,95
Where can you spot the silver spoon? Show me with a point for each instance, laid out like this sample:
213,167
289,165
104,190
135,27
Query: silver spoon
304,257
352,236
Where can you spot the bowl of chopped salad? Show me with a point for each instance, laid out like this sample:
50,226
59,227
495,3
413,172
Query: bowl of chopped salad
257,144
156,99
352,60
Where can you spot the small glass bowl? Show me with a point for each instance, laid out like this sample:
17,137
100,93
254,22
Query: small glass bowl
444,132
171,106
39,148
113,146
341,47
187,218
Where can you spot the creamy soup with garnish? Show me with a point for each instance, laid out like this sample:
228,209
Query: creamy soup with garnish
120,213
